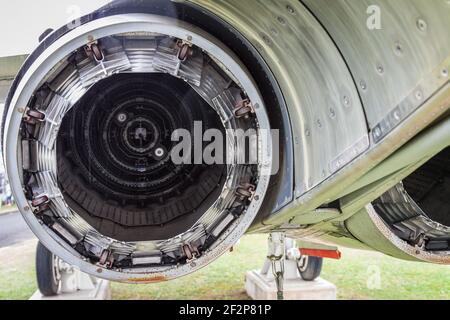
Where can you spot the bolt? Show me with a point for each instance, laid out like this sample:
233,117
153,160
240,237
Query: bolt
122,117
159,152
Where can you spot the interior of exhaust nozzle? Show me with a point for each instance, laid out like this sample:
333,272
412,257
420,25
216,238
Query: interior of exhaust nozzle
114,161
96,141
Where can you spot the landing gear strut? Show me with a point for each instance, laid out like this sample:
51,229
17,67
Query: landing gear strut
287,264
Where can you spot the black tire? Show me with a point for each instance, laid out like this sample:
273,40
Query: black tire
47,281
312,270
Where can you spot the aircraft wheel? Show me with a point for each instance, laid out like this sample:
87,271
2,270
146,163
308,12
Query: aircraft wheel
310,267
47,271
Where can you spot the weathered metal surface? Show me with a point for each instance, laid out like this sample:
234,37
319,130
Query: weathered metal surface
330,127
332,71
389,62
340,183
388,242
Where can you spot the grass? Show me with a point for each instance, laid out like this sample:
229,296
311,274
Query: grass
359,275
17,272
368,275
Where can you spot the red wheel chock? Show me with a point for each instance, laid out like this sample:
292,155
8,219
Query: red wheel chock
330,254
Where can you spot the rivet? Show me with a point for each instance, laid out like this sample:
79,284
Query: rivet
267,40
380,69
256,198
419,95
99,270
363,85
26,208
290,9
444,73
346,101
189,38
398,48
332,113
422,25
20,110
281,20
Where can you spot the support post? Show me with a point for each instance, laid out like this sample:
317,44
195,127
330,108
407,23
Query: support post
283,256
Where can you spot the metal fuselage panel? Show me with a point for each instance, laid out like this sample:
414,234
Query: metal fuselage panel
354,95
329,125
344,83
388,60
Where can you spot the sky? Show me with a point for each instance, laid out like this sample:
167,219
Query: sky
23,21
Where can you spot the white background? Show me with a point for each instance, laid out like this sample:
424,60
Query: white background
23,21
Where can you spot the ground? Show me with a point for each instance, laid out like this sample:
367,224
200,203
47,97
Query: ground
17,275
359,275
7,209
